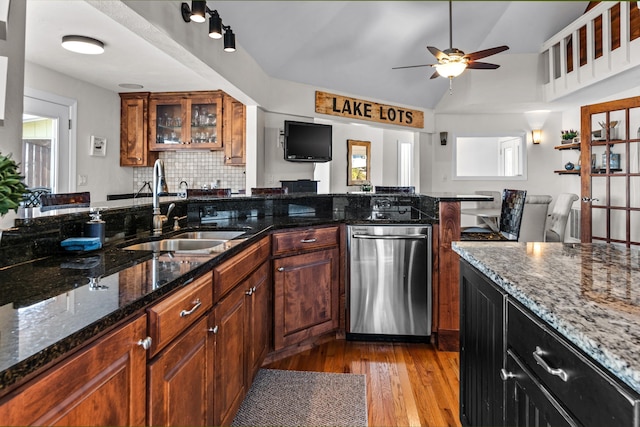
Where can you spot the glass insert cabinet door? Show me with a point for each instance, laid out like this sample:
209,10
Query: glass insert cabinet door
185,121
610,184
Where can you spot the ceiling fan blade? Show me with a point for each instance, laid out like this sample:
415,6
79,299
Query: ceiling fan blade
437,53
482,65
484,53
412,66
435,75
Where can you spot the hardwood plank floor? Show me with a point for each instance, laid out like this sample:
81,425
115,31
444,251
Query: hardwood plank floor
407,384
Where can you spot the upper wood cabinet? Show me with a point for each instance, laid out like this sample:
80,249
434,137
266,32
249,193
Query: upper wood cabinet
234,131
134,149
185,120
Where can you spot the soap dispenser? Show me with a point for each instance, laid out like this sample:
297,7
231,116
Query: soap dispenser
96,226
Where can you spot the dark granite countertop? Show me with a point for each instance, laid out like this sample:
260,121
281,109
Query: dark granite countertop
52,305
588,293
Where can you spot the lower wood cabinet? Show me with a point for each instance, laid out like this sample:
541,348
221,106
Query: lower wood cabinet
231,333
515,370
104,384
306,296
181,380
527,403
258,320
482,348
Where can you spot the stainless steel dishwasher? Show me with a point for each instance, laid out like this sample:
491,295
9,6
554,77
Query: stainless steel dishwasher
389,282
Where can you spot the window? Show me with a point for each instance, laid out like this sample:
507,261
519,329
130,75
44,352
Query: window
490,157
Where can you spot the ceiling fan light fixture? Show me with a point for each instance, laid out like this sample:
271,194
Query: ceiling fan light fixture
82,44
451,69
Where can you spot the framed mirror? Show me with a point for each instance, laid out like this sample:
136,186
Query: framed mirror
499,156
358,162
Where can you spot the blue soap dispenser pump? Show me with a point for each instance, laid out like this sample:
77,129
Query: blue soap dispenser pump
96,226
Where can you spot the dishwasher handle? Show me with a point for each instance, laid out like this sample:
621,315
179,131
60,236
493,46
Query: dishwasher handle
390,236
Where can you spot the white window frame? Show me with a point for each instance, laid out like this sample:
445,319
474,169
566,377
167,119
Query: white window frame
405,163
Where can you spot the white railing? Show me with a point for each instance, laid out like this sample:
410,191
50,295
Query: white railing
558,82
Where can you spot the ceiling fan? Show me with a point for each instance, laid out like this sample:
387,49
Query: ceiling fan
452,62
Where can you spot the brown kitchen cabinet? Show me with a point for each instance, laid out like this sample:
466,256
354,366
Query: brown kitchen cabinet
182,351
306,284
134,146
103,384
242,324
234,132
185,120
230,362
181,380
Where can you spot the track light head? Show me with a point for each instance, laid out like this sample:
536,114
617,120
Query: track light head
198,10
215,25
229,40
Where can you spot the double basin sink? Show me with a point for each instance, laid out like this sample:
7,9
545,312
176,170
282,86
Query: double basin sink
192,242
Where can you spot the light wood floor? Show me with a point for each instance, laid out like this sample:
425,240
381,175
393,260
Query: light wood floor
407,384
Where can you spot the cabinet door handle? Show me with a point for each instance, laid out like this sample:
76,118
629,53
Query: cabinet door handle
249,292
197,305
214,330
145,343
505,375
280,268
558,372
309,240
253,289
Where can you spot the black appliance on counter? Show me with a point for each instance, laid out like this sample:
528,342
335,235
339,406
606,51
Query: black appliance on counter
300,186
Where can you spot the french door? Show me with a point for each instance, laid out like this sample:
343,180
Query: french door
610,177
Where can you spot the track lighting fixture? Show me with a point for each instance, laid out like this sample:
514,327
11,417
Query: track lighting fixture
197,13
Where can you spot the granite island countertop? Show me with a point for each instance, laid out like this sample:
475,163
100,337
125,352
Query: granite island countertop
588,293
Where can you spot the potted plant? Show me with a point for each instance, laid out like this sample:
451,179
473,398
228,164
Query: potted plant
12,187
568,136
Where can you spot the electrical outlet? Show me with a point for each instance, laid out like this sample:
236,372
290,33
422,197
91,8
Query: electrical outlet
83,180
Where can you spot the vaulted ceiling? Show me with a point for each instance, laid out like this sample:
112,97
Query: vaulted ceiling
348,47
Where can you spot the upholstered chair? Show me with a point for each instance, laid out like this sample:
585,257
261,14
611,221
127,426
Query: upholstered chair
557,220
534,218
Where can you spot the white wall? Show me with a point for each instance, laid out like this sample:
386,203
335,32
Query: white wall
99,115
13,48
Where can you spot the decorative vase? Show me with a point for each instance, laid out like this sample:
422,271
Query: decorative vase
569,166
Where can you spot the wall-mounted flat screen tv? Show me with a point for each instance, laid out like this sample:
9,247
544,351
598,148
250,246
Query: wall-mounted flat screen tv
307,142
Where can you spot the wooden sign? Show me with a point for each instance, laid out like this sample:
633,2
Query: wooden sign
336,105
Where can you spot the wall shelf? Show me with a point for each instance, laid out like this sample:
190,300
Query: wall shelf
572,146
568,172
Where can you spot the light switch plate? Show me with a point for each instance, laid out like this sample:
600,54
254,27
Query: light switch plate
98,146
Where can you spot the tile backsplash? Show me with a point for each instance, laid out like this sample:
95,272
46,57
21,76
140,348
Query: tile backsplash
197,168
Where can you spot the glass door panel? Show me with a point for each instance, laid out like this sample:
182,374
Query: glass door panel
617,195
618,227
169,124
635,231
599,190
634,192
204,121
599,224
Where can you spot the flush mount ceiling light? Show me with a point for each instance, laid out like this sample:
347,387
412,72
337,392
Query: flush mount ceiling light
82,44
197,13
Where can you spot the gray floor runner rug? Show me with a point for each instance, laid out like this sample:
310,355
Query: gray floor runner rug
295,398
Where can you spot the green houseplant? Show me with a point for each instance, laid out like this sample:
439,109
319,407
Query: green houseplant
12,187
568,135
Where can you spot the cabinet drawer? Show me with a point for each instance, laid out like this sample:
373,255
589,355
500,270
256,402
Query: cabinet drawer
591,395
302,240
228,274
173,315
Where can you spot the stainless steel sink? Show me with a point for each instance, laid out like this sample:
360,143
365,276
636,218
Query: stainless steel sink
216,235
178,245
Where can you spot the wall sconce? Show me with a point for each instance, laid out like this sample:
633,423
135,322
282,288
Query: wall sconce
443,138
197,13
536,136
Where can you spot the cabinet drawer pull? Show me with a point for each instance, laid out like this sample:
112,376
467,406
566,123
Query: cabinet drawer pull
249,292
145,343
185,313
280,268
505,375
537,355
309,240
214,330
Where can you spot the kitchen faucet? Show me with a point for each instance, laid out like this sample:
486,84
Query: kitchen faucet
159,189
